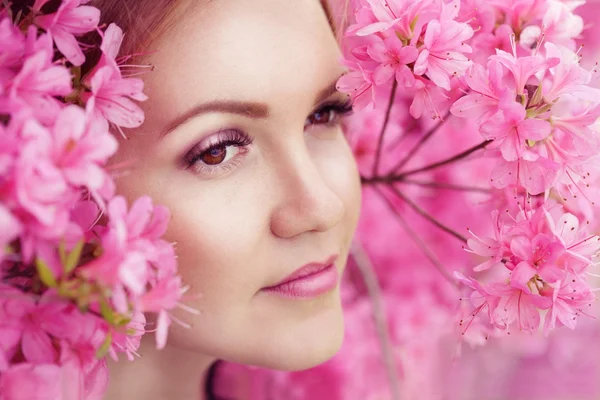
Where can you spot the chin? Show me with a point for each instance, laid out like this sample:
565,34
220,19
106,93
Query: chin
303,346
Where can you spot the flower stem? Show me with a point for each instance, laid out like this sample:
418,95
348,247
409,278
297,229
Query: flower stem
383,128
445,186
417,240
365,267
403,175
421,142
426,215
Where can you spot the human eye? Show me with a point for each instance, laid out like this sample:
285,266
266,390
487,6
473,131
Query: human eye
329,114
218,154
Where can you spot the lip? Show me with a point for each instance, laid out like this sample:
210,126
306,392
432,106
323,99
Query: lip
308,281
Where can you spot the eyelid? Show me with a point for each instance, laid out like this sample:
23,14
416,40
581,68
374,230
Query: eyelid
223,137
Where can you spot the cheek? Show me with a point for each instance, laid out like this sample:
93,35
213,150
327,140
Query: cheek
216,237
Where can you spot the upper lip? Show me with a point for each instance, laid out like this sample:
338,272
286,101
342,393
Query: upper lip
306,270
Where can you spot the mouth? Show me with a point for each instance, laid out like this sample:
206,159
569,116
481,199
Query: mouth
309,281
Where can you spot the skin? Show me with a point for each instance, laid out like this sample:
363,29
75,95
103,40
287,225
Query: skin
289,198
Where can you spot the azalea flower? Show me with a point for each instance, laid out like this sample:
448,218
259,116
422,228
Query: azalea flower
443,54
69,20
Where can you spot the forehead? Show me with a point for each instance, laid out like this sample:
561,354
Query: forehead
243,50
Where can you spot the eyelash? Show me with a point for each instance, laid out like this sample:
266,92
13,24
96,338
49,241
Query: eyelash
239,139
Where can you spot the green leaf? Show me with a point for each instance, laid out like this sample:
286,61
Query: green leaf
45,273
106,311
62,252
73,257
103,349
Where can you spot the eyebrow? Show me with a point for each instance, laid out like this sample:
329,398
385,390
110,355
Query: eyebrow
254,110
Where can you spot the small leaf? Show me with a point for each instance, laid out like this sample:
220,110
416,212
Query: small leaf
45,273
73,257
121,320
103,349
106,311
62,253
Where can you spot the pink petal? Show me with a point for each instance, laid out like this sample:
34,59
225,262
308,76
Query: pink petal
68,46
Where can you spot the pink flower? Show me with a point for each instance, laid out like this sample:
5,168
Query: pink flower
517,307
569,299
360,86
37,83
511,130
32,381
394,58
523,68
443,54
81,146
539,256
69,20
11,228
535,174
493,248
40,188
487,87
12,46
112,94
386,14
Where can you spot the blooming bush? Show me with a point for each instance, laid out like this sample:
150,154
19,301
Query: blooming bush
478,149
526,95
79,268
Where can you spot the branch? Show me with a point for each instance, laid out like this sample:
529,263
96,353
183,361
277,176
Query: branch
417,240
427,216
419,144
365,267
402,176
383,128
447,186
450,160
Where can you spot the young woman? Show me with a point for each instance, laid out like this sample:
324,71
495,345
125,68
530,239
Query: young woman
243,142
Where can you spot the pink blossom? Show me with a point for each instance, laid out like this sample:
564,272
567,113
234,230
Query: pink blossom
539,256
37,83
81,147
523,68
360,86
517,307
111,94
12,45
535,174
569,299
394,58
11,228
487,87
511,130
69,20
443,54
31,381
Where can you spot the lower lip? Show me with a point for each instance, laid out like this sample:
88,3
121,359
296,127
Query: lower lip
309,286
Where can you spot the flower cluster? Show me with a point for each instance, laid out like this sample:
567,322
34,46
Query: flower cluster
78,268
543,259
506,79
420,44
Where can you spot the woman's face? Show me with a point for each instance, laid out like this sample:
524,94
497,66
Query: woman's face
242,141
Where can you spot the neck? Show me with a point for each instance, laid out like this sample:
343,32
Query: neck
171,373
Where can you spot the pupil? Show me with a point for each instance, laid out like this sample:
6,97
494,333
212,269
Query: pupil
214,156
321,117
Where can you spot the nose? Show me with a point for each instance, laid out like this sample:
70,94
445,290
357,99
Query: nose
306,199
